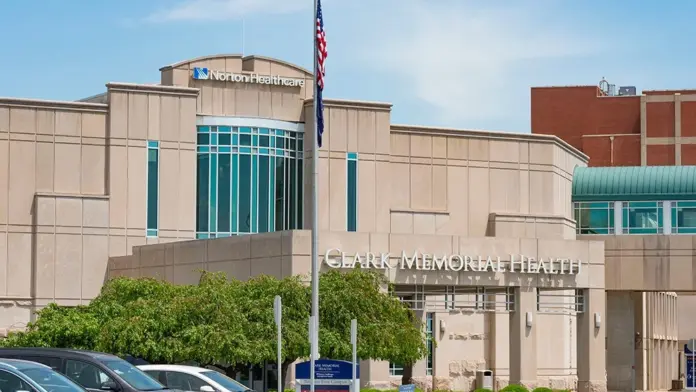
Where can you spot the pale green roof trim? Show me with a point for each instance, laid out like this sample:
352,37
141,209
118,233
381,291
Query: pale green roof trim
635,183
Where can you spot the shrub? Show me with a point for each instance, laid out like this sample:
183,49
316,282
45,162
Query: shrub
515,388
542,389
482,390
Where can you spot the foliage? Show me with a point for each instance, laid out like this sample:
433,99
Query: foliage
387,330
229,324
58,326
482,390
543,389
515,388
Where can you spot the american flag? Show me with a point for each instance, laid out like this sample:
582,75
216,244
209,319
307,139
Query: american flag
321,53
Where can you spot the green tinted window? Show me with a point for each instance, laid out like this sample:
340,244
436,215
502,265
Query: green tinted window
152,188
683,217
264,193
594,218
642,217
352,189
202,181
244,194
249,180
224,186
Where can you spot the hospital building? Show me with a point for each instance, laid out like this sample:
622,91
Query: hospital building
519,258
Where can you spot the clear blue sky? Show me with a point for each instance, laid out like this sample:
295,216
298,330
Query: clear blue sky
458,63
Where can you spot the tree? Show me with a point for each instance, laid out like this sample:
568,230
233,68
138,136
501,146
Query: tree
230,324
58,326
387,329
165,323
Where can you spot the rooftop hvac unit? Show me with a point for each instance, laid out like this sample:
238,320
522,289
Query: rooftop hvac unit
627,90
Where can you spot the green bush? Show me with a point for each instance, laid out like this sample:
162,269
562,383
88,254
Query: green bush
542,389
482,390
515,388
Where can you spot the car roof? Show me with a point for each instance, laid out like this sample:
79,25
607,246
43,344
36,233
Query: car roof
20,364
59,352
179,368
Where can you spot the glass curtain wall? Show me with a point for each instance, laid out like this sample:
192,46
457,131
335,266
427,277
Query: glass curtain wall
249,180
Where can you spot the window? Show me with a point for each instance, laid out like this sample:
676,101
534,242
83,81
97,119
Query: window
86,374
133,376
594,218
641,217
228,383
396,369
152,187
50,380
249,180
683,217
352,187
12,383
184,382
579,299
52,362
429,319
157,375
510,299
481,298
449,300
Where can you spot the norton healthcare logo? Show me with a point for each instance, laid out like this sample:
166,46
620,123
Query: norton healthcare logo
200,73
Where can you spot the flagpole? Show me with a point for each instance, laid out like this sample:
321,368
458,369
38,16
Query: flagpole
314,347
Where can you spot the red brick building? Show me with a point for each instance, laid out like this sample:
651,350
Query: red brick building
656,128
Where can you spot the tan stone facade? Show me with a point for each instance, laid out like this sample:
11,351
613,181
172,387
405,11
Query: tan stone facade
74,211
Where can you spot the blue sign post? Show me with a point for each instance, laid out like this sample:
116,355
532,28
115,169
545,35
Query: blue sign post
407,388
329,375
690,368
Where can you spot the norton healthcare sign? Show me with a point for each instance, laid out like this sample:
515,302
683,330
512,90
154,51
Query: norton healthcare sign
334,258
252,78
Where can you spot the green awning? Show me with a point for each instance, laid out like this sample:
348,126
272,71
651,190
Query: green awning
634,183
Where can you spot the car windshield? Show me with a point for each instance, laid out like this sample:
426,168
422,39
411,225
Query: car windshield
225,381
51,381
134,376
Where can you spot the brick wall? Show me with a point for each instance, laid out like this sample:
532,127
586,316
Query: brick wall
608,129
573,112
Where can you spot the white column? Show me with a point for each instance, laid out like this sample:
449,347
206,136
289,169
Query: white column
618,216
666,217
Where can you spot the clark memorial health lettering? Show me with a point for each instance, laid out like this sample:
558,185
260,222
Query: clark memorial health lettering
516,263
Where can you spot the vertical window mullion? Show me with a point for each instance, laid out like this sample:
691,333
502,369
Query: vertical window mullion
152,183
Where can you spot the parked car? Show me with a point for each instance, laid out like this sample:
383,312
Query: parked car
26,376
94,371
191,378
